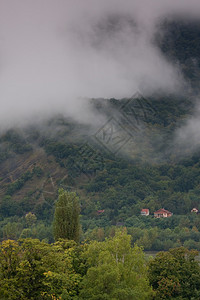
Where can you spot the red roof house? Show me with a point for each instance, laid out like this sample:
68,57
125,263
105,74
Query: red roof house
99,212
145,212
162,213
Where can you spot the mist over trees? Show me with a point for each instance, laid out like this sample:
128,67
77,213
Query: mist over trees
80,157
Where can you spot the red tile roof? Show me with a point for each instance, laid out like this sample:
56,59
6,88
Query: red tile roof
162,211
146,210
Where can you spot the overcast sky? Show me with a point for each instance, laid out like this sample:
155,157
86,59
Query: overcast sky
53,53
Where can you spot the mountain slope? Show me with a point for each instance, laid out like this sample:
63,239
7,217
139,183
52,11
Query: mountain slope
35,162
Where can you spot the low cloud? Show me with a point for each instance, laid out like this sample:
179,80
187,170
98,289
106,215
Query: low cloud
187,137
55,53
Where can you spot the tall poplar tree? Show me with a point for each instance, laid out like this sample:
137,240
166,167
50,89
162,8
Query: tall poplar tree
66,217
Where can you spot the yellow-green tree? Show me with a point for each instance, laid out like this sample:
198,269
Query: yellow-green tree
66,217
116,270
30,219
30,270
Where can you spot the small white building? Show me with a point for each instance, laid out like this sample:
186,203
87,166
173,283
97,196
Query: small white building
145,212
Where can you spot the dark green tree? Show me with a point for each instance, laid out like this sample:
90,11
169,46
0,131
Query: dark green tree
175,274
66,218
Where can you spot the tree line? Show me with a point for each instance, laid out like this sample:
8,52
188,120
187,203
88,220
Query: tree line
110,269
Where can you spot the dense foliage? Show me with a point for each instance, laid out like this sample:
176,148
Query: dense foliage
120,186
30,269
113,269
175,274
66,217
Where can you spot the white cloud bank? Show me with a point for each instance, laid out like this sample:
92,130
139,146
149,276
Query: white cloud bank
54,52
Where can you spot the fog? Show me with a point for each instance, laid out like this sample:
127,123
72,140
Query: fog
54,53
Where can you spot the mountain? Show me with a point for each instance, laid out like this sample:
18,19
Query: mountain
126,158
129,158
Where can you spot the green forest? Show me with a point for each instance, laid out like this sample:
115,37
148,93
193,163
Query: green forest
110,269
150,175
113,269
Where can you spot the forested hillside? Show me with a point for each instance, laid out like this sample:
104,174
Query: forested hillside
100,150
146,172
128,159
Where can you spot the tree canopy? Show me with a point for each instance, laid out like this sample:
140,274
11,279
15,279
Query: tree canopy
66,217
